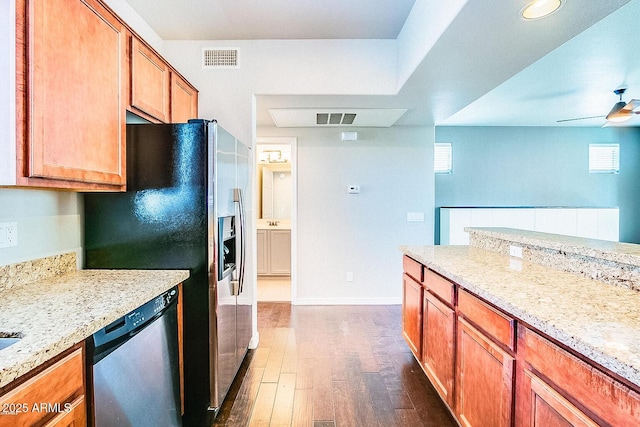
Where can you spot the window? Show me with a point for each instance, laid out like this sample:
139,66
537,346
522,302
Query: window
443,158
604,158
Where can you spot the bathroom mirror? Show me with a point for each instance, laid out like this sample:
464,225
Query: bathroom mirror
274,175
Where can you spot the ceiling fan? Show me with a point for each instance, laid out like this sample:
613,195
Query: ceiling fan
620,112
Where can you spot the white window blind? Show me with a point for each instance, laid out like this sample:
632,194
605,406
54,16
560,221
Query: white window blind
604,158
443,159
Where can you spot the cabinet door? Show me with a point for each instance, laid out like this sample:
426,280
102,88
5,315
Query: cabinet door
263,252
438,344
412,314
547,408
484,380
150,82
77,76
280,251
184,100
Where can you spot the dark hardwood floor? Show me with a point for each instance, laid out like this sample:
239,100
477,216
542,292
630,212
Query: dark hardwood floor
331,366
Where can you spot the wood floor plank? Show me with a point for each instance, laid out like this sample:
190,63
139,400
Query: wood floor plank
407,418
283,406
290,357
260,357
359,392
243,402
345,410
303,408
383,407
263,407
274,362
304,377
322,391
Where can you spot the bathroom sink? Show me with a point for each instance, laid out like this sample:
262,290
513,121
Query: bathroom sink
9,338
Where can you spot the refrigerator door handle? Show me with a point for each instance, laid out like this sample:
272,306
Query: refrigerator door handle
238,198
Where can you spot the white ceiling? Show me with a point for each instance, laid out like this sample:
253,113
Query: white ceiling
274,19
488,68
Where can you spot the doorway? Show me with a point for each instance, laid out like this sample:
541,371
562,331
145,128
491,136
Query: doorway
276,218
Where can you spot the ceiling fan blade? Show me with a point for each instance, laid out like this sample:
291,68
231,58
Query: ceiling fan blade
632,105
579,118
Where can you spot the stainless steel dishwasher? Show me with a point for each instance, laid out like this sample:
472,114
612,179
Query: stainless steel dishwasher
135,369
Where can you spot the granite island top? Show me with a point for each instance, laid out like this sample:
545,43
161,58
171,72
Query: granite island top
596,319
626,253
55,313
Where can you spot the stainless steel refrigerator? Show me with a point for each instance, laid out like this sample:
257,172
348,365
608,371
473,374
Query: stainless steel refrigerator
185,208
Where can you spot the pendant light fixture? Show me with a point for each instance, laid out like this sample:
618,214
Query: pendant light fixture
540,9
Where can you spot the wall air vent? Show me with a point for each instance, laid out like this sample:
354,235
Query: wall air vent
335,118
220,58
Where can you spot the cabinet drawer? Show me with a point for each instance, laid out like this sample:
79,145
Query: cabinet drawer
500,326
413,268
439,286
54,387
605,397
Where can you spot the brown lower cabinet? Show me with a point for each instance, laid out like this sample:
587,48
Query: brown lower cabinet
546,407
412,314
484,380
438,344
491,369
53,396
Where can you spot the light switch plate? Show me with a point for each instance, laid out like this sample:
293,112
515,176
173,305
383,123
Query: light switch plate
415,216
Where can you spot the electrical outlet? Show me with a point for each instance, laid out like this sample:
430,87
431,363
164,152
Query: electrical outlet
349,276
8,234
515,251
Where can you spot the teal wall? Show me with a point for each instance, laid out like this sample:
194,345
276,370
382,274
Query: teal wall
540,166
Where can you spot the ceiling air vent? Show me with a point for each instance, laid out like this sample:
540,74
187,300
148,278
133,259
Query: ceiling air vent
335,118
220,58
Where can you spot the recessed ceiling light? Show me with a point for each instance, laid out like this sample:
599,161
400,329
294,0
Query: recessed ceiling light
540,8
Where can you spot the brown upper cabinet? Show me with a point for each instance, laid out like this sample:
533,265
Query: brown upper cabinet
184,100
74,84
150,82
70,95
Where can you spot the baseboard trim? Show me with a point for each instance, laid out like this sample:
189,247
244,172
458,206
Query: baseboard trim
348,301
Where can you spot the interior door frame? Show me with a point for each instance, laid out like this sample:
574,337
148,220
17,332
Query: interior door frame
292,141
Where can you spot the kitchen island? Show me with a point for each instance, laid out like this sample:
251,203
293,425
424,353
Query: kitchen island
558,323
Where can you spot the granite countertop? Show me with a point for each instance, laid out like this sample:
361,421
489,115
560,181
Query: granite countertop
596,319
55,313
626,253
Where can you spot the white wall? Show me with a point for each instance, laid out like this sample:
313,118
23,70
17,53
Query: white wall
282,67
339,232
49,223
139,25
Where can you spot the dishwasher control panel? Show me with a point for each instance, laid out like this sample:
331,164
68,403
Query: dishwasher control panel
138,318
